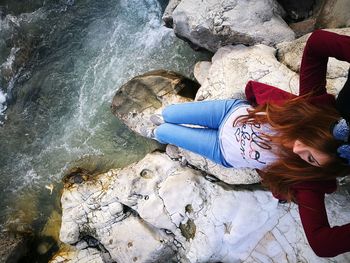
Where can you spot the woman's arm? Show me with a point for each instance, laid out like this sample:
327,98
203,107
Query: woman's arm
325,241
320,46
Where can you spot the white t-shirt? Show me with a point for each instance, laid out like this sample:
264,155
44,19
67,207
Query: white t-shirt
242,145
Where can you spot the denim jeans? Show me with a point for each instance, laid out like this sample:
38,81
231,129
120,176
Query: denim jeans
202,140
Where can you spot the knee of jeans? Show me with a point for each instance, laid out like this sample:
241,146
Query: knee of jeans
161,130
160,133
165,112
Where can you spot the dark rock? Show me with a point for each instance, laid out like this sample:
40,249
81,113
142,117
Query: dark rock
188,230
76,176
297,10
303,27
334,14
168,12
146,91
12,247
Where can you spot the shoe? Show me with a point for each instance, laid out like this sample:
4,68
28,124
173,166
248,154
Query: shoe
157,119
172,151
148,133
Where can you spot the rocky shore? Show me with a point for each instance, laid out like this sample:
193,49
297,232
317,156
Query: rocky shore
173,205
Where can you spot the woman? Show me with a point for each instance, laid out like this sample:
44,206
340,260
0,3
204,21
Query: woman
298,144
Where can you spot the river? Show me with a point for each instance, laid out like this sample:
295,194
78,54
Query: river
61,63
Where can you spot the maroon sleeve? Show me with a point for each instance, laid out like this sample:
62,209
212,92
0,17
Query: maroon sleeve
258,93
325,241
319,47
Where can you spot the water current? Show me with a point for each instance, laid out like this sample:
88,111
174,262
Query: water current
61,63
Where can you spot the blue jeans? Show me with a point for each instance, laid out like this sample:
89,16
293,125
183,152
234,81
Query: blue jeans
203,140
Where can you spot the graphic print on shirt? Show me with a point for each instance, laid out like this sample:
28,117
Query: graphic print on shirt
246,135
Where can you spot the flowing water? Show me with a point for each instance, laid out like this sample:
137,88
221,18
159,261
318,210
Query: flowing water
61,63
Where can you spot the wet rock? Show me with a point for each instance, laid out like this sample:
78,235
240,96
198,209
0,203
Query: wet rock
52,226
297,10
144,95
214,24
71,254
76,176
12,247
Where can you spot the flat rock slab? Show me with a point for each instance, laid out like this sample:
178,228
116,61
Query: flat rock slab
159,211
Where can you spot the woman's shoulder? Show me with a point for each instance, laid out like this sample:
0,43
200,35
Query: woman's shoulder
258,93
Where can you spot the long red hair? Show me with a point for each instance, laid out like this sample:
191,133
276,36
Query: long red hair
297,119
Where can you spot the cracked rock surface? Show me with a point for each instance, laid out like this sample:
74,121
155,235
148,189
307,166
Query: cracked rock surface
233,66
214,24
157,210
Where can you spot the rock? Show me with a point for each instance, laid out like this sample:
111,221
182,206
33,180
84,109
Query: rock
146,94
303,27
290,53
167,15
234,176
334,14
233,66
12,247
126,208
297,10
214,24
201,71
73,255
52,226
302,15
182,217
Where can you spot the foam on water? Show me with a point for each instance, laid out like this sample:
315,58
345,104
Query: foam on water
2,107
62,114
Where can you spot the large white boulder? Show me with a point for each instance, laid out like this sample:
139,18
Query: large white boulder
212,24
233,66
159,211
290,54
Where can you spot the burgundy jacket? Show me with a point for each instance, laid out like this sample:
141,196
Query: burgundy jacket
326,241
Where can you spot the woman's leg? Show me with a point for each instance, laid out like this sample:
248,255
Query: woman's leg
202,141
204,113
